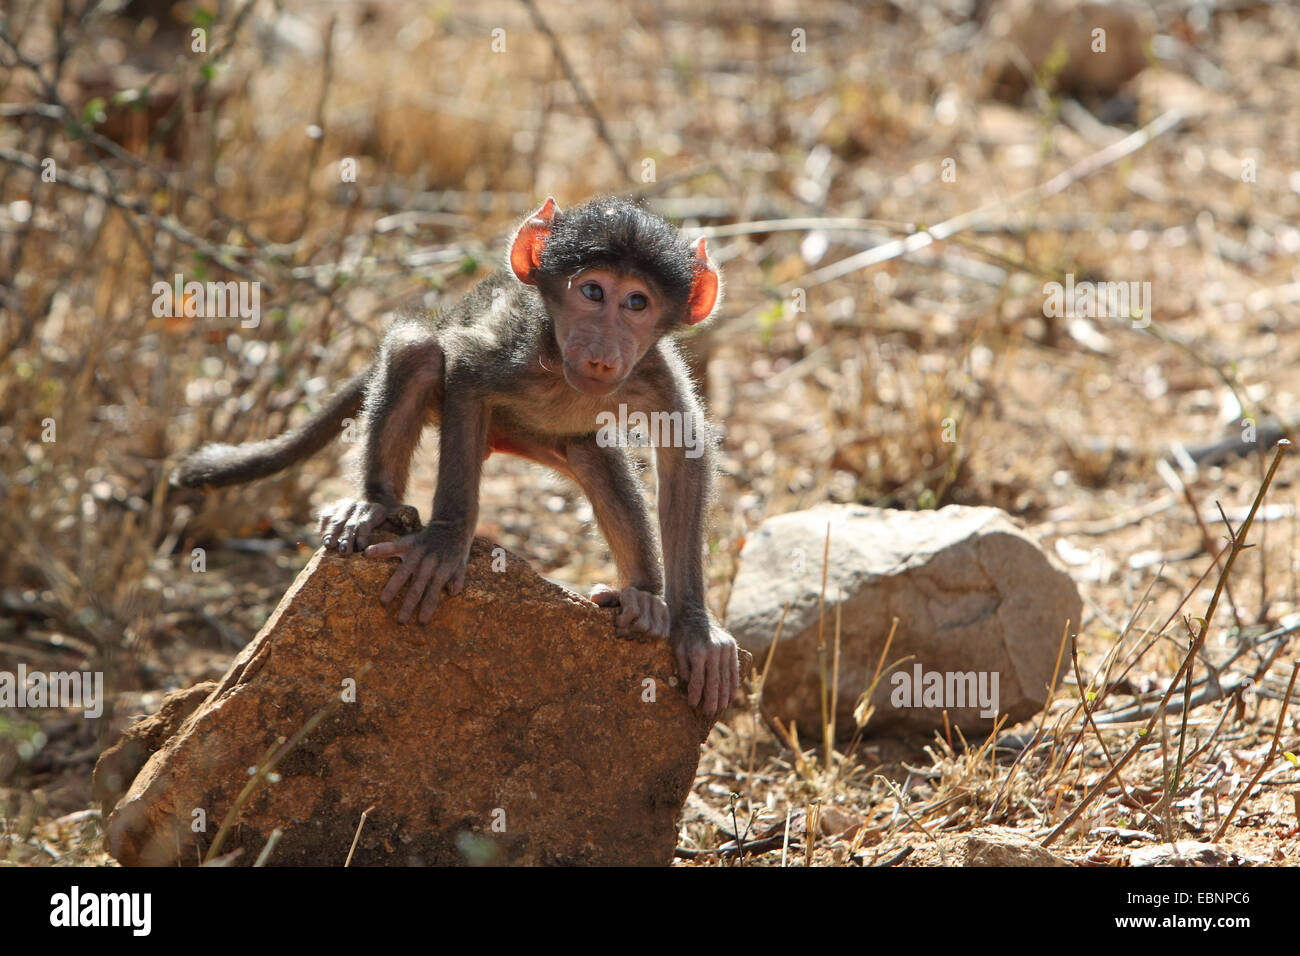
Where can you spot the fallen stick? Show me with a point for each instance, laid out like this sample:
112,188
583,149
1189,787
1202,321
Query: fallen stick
1211,690
950,227
1272,753
1237,545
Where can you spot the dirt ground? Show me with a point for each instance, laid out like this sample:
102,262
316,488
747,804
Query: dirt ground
830,383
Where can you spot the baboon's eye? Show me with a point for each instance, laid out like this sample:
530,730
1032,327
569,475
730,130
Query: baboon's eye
637,301
593,291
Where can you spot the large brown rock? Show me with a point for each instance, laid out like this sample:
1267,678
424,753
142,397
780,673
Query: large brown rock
514,728
118,765
1058,40
976,602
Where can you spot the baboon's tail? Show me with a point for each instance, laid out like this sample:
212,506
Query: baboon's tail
217,465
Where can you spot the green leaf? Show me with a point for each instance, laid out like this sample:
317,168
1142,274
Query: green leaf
93,112
769,317
1055,62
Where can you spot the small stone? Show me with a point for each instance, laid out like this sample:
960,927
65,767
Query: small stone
999,846
1182,853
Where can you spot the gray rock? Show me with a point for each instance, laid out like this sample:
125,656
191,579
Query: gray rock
980,612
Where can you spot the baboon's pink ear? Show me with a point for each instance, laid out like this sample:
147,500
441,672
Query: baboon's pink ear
529,241
705,286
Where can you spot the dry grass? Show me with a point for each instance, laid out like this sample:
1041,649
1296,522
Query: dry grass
846,401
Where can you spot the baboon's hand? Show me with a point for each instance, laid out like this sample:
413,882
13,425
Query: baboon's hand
644,616
707,659
347,524
432,559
